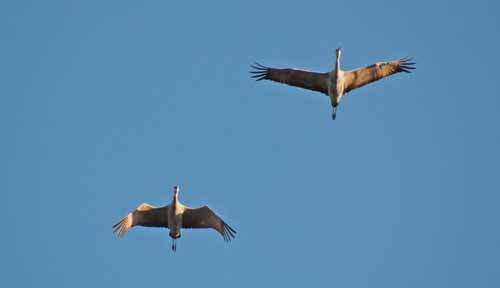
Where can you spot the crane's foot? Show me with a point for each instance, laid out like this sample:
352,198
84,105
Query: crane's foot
334,113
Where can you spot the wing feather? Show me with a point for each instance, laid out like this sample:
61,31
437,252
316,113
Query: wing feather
294,77
362,76
204,217
145,215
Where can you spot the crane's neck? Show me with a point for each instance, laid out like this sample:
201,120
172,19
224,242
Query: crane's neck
175,200
337,64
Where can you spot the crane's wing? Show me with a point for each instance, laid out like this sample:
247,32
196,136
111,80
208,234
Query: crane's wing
204,217
362,76
144,215
294,77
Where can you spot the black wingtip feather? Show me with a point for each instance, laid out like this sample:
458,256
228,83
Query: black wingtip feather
260,72
229,233
407,64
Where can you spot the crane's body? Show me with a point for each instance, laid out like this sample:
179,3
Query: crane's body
175,211
336,84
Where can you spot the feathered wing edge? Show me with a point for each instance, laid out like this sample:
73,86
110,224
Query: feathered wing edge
229,233
406,64
260,72
122,227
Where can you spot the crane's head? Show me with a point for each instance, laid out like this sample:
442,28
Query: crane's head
337,52
176,190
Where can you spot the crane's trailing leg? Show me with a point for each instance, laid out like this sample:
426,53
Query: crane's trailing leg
174,245
334,114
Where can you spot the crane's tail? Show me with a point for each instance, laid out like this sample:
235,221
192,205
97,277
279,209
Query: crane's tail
123,226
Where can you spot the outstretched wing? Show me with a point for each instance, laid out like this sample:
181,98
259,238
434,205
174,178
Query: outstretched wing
359,77
204,217
144,215
294,77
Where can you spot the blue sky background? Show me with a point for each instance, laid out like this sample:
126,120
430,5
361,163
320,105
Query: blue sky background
107,104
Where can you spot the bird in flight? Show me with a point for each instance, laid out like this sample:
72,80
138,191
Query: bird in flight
174,216
335,83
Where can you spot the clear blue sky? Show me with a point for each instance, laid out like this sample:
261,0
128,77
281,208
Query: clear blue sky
107,104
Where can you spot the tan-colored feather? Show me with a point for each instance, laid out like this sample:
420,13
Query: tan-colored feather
123,225
359,77
144,215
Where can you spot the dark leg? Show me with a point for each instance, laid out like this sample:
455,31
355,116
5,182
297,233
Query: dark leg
334,115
